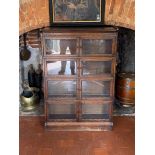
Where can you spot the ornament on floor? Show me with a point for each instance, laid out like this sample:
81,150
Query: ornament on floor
29,98
125,89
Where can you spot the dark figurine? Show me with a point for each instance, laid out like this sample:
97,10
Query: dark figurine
38,77
31,76
38,80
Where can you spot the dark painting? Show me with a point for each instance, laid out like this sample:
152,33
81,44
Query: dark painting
70,11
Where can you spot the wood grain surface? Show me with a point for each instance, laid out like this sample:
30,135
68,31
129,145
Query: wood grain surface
35,140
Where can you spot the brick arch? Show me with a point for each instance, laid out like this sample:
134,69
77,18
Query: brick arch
34,14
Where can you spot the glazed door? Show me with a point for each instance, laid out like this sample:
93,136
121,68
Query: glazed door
60,46
97,46
79,75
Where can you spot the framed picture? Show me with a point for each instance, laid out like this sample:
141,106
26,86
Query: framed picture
77,12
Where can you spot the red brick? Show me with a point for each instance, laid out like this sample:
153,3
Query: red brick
112,6
35,14
131,10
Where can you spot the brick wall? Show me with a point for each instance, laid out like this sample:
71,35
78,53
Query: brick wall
34,14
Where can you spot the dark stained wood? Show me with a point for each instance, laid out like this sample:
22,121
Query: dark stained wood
125,88
34,139
79,126
72,30
107,37
32,39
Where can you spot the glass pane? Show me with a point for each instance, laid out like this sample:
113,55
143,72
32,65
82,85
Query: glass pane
95,111
60,46
95,88
96,46
62,89
61,111
96,67
61,67
71,11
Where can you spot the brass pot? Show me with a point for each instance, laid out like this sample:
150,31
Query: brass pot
29,99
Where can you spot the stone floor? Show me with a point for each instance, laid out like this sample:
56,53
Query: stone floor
119,110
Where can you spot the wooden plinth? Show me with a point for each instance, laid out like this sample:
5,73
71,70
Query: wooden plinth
79,126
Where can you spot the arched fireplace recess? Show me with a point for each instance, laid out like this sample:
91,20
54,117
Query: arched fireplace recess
34,16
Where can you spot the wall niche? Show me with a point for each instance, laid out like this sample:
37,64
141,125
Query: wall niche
126,50
126,62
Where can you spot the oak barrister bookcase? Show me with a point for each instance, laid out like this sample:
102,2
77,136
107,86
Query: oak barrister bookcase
79,74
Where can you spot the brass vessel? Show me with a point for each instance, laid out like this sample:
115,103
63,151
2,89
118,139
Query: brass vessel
125,89
29,99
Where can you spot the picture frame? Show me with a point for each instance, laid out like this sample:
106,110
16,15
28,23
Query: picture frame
76,12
